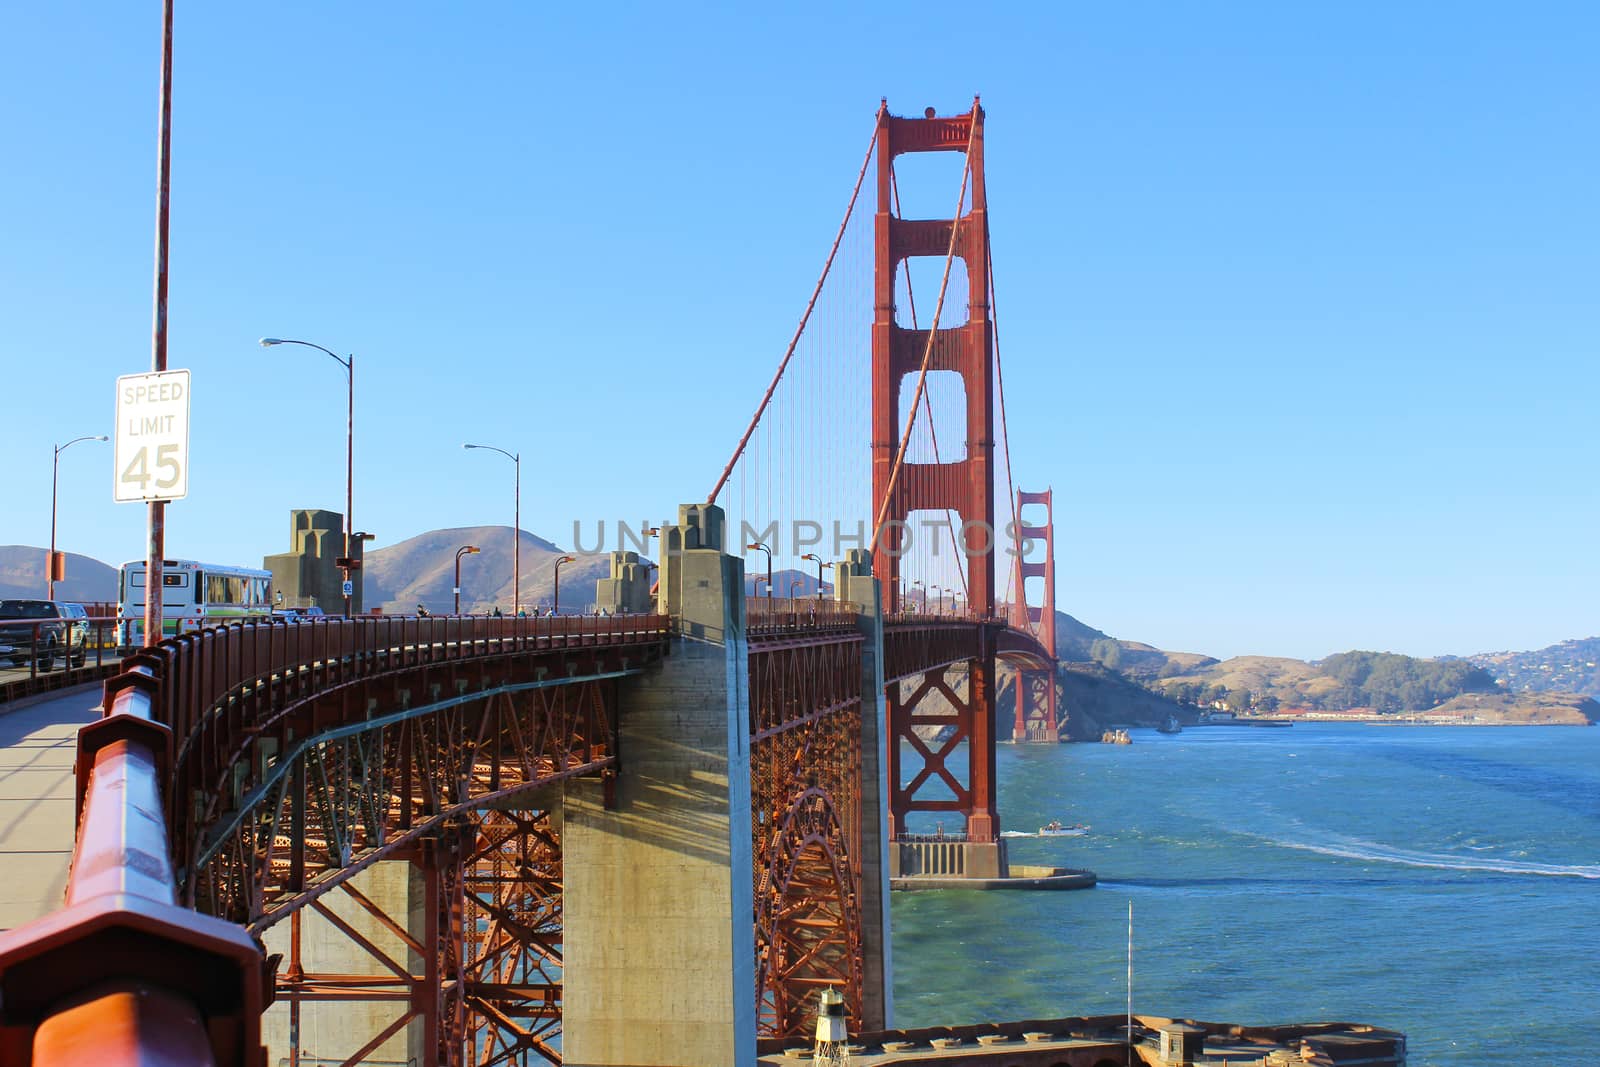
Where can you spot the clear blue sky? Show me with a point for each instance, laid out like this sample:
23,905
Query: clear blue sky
1299,304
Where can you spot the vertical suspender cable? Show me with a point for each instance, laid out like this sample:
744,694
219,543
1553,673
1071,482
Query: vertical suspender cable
1005,429
805,317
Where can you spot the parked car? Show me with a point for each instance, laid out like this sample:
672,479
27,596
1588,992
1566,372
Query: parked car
83,632
42,630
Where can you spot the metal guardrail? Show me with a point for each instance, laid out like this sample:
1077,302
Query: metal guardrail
938,837
940,616
203,668
778,615
37,655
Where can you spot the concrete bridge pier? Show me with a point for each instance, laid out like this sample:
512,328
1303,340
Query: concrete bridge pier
854,582
344,944
659,964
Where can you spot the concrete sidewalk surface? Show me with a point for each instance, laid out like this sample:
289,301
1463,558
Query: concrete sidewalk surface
38,740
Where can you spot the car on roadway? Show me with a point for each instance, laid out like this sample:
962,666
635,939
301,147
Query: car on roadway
41,630
295,614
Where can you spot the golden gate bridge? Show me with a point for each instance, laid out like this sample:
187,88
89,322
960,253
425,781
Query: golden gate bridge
513,840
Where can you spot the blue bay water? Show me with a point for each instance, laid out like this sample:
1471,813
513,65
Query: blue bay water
1441,881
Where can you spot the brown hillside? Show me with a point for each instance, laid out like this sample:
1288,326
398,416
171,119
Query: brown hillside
1527,708
22,576
421,570
1292,681
1096,699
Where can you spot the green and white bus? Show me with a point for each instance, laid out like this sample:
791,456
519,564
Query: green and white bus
194,596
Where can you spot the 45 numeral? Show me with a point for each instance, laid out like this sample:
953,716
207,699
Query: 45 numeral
137,472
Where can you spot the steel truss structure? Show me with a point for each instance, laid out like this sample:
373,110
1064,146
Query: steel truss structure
327,807
427,763
941,674
481,981
805,788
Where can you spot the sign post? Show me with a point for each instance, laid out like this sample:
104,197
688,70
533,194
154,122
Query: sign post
156,523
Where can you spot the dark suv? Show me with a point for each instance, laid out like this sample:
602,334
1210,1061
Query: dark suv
42,630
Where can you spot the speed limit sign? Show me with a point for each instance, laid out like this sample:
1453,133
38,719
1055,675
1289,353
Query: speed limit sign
152,451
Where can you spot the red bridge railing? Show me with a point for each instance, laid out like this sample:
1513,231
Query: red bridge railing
204,668
769,616
44,654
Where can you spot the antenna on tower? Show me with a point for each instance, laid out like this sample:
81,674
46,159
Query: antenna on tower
833,1034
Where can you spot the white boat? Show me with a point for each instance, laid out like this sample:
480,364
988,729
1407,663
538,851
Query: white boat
1053,828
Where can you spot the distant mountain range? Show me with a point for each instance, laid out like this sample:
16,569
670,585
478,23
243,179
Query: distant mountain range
1552,684
22,571
421,570
1570,667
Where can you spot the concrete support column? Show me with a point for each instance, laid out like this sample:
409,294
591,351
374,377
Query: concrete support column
627,590
853,582
658,903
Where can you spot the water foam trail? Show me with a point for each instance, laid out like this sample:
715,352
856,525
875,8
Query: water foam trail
1350,848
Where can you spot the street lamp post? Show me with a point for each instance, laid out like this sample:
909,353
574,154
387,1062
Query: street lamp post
795,583
768,551
818,560
938,600
516,528
464,550
555,608
55,471
919,585
349,366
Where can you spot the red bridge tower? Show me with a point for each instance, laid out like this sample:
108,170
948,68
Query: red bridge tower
1037,718
964,486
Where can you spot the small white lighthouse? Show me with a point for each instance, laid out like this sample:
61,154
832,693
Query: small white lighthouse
833,1036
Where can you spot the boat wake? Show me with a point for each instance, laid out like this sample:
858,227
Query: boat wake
1349,848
